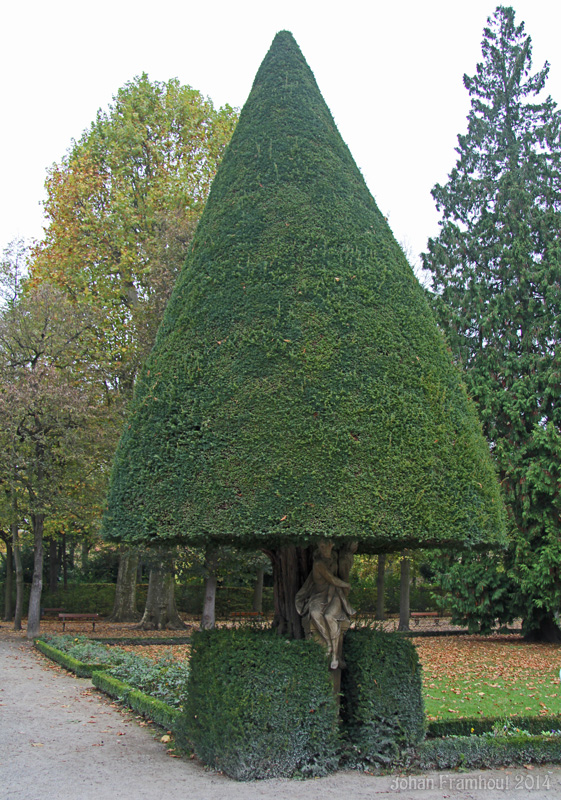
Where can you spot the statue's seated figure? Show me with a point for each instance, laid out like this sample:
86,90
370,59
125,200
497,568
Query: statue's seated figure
323,602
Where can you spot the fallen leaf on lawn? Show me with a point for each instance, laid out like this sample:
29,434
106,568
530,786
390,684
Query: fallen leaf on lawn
165,739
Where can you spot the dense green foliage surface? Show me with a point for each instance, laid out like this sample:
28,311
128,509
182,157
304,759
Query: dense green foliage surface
465,726
485,752
382,705
298,386
496,269
260,706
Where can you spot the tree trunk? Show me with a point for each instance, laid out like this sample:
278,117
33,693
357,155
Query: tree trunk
124,607
64,562
160,611
71,555
208,619
9,583
53,565
547,632
291,567
34,613
404,585
258,592
19,571
85,549
380,585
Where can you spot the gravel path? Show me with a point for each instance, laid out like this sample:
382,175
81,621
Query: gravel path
61,739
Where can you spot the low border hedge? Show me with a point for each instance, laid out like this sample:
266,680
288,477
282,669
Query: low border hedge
142,703
479,752
478,725
79,668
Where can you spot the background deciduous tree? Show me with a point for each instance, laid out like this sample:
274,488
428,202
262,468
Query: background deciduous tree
121,209
496,272
47,409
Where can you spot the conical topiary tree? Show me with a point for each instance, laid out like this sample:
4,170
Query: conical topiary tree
299,388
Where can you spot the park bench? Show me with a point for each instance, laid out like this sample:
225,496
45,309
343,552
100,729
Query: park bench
78,617
49,612
418,615
241,614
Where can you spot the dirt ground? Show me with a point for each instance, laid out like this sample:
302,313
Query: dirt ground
61,738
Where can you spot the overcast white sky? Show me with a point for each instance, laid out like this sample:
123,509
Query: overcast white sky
391,74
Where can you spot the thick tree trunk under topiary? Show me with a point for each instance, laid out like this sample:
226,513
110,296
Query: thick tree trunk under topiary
548,631
291,567
160,612
124,607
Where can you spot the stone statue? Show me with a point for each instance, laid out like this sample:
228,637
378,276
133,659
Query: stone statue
323,599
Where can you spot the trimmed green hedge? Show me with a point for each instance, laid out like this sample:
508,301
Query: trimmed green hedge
299,387
478,725
260,706
382,708
79,668
478,752
156,710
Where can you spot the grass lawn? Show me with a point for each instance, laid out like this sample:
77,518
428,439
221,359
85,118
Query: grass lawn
468,676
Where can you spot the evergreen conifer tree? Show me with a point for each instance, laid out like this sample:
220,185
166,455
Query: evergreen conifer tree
299,388
496,269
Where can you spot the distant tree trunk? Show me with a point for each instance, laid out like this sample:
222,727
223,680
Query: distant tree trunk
160,612
19,567
380,586
291,567
64,562
84,555
71,554
404,584
53,565
34,613
9,583
208,619
124,607
258,591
